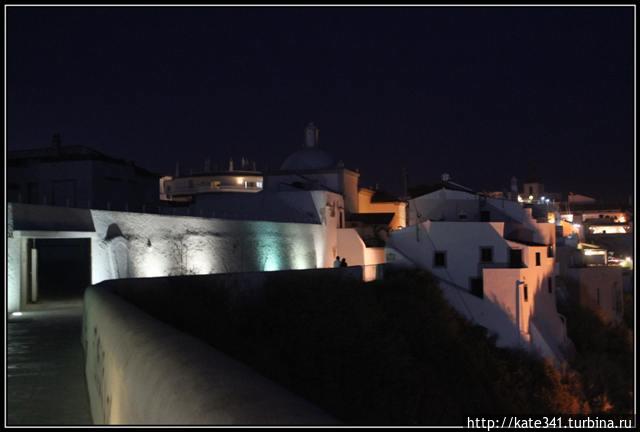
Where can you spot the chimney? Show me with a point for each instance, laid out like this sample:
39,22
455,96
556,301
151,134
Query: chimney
311,135
230,164
514,188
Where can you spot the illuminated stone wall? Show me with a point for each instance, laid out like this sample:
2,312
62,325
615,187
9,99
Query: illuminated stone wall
145,245
132,245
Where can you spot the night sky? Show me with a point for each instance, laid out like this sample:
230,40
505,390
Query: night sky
480,93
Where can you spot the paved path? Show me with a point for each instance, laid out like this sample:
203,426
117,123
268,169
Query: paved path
45,368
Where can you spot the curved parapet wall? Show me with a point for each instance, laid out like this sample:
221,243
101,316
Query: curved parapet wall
141,371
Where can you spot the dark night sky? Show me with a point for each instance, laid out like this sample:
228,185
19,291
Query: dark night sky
480,93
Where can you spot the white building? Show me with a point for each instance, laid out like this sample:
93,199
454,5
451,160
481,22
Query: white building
495,264
311,186
296,221
183,188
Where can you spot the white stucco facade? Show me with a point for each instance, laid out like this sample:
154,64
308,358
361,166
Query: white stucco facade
132,245
516,300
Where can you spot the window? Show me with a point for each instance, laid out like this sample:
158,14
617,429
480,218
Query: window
550,281
486,254
440,259
477,288
462,216
515,258
526,292
537,258
549,251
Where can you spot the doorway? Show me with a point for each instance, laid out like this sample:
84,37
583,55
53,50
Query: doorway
63,269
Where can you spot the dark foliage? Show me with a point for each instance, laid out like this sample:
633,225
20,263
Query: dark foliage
385,352
604,358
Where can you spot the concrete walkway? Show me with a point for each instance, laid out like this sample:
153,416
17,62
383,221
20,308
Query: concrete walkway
45,368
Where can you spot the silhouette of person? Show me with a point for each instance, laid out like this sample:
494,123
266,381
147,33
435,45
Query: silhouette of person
336,263
343,263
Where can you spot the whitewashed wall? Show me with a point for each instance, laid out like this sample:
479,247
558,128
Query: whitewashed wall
130,245
157,245
460,240
142,372
503,309
13,274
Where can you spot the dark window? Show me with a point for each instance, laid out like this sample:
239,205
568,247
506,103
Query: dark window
515,258
485,216
440,259
550,252
526,292
477,288
537,258
462,216
550,285
486,254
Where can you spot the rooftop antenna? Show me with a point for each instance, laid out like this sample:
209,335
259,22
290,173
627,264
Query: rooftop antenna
231,164
207,165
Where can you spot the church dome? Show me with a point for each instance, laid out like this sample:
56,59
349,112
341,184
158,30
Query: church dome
308,159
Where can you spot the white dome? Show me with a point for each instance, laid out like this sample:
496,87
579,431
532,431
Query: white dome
308,159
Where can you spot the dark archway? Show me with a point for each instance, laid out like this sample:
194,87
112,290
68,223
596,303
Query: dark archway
64,268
